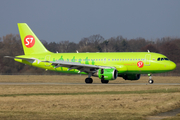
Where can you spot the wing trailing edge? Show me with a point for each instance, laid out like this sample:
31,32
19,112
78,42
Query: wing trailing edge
75,65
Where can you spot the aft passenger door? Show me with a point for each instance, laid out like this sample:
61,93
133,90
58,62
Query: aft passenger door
47,58
148,60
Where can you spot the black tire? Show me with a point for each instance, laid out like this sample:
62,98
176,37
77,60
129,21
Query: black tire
88,80
151,81
104,81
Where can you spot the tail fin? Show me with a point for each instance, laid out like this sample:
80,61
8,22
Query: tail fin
31,44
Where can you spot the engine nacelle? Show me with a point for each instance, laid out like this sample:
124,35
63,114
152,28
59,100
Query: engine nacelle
132,76
107,74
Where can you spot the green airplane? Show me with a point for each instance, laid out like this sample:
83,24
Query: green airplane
106,66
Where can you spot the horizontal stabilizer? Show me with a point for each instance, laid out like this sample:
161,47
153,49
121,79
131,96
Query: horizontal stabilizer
31,60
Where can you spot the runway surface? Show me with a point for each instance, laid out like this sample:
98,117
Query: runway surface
10,83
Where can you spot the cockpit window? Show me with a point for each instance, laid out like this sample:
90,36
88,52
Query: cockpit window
161,59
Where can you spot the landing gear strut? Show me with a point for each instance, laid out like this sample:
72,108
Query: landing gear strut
150,79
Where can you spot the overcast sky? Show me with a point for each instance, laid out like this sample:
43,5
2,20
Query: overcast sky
59,20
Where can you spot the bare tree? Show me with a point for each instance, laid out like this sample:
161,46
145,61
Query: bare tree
171,50
150,47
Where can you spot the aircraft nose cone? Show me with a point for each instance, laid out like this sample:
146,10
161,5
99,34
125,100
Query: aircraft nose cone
172,66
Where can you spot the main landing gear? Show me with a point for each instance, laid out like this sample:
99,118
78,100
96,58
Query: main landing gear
104,81
150,79
89,80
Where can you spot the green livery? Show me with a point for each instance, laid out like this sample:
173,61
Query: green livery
106,66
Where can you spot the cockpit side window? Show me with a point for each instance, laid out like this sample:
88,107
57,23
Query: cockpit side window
166,58
161,59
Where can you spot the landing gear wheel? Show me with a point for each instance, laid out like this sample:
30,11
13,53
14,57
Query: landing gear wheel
151,81
88,80
104,81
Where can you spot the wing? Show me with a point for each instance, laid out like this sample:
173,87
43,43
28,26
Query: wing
75,65
71,65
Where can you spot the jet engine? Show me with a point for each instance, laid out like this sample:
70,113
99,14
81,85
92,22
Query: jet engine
107,74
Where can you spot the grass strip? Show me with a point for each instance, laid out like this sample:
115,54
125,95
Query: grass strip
95,93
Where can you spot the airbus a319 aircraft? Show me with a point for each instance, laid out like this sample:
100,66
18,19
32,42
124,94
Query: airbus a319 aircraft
106,66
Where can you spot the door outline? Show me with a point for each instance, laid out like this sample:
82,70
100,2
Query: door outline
104,60
47,58
148,60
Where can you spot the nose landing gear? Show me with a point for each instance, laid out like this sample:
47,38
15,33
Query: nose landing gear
150,79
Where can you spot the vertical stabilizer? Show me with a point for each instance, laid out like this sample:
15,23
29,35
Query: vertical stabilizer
31,44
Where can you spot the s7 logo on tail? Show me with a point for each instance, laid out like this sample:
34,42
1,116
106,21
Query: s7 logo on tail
29,41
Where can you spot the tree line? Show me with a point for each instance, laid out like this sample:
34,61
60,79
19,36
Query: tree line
10,45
